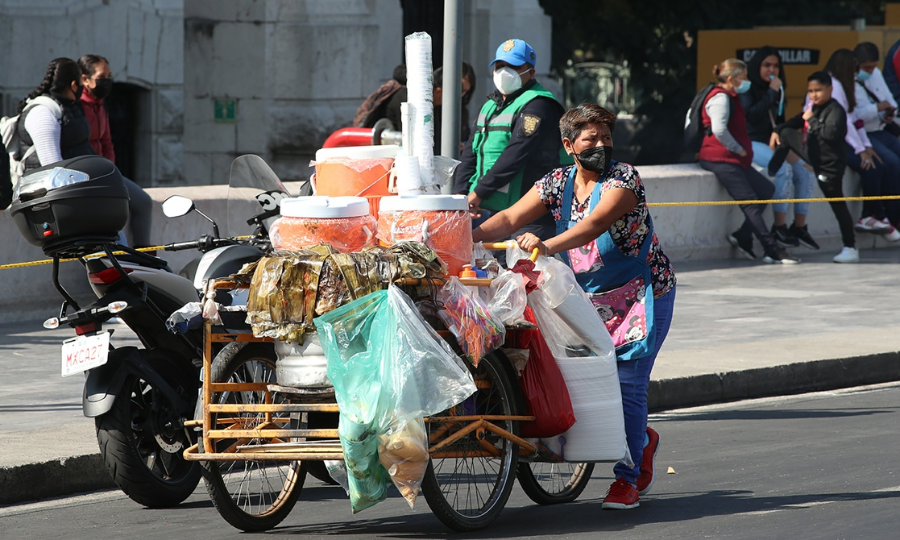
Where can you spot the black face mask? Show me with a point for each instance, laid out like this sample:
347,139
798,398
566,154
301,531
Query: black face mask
596,159
103,88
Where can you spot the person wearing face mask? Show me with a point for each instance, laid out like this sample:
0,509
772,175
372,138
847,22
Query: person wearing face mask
764,105
53,138
97,81
515,140
605,234
727,152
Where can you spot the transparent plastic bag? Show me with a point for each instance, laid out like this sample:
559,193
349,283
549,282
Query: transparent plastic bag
389,369
507,297
477,330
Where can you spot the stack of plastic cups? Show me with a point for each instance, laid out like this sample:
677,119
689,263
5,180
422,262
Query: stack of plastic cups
420,89
409,179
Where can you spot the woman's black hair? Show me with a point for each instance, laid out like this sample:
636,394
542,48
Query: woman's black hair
843,66
88,64
60,74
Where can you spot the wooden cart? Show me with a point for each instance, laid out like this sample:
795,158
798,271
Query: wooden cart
259,439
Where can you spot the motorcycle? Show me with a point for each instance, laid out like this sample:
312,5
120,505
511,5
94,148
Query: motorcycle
139,397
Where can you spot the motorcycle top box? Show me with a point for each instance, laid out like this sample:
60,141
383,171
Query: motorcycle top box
72,206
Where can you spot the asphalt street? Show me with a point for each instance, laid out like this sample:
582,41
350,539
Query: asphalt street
813,466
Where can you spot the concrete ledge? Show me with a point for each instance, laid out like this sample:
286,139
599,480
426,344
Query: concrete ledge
688,233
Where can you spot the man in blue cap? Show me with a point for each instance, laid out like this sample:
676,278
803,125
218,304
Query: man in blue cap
516,139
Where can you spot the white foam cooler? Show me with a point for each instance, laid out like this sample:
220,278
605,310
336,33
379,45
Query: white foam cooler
599,430
301,365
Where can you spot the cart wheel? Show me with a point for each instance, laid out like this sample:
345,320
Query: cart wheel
468,487
250,495
554,483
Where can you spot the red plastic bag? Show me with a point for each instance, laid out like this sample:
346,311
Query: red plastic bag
546,395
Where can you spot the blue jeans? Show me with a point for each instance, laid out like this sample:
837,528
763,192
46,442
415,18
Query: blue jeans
797,175
634,378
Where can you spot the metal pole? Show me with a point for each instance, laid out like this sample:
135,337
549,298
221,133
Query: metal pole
452,85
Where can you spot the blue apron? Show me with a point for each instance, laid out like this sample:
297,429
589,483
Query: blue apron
620,286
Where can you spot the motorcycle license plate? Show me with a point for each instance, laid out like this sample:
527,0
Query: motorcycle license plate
84,352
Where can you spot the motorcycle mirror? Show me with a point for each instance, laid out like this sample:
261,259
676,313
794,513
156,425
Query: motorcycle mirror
177,206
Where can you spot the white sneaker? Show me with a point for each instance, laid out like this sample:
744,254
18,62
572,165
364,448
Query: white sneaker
847,255
871,225
893,235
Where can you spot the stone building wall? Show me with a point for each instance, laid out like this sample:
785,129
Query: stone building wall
144,42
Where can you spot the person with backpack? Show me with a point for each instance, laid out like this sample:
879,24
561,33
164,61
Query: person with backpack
55,134
96,78
727,152
764,105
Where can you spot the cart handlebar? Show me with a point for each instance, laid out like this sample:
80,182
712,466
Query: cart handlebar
495,246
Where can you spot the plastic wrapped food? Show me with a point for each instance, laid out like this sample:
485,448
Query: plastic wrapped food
441,222
477,330
342,222
389,370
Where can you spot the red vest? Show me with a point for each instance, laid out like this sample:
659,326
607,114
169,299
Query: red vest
712,149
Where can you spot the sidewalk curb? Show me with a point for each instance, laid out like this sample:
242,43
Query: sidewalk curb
782,380
88,473
55,478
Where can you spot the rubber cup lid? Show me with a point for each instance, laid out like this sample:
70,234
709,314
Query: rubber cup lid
423,202
324,207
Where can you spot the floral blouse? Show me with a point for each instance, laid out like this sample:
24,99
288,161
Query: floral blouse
628,232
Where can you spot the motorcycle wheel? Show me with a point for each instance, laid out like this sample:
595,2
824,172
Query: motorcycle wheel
142,439
251,495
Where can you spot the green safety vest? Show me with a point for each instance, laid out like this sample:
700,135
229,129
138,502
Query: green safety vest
492,135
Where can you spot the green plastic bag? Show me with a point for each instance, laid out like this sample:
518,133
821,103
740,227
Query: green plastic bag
389,369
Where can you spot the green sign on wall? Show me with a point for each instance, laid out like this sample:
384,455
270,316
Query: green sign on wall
223,111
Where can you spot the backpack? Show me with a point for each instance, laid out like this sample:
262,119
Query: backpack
17,150
694,130
372,108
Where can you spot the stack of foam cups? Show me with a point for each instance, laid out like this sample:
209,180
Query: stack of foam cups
419,84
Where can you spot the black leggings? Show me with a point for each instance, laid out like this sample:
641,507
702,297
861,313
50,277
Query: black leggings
831,187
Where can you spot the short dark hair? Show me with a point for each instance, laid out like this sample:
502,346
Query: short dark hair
467,73
866,52
574,120
821,77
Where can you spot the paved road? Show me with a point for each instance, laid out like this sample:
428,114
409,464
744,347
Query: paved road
811,466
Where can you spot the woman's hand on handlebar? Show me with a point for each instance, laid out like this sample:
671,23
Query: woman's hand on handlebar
529,242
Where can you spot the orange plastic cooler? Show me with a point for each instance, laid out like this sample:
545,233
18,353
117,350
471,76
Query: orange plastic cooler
343,222
355,171
441,222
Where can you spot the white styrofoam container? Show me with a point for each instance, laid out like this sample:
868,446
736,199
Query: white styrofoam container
599,430
301,365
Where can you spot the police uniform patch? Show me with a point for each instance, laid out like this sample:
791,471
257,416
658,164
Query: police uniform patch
530,124
508,46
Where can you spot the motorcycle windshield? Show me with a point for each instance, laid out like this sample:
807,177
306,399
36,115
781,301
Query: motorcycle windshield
253,189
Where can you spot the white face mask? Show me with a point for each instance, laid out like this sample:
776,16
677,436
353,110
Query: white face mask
507,80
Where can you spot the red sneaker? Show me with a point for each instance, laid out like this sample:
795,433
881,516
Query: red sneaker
621,496
645,480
